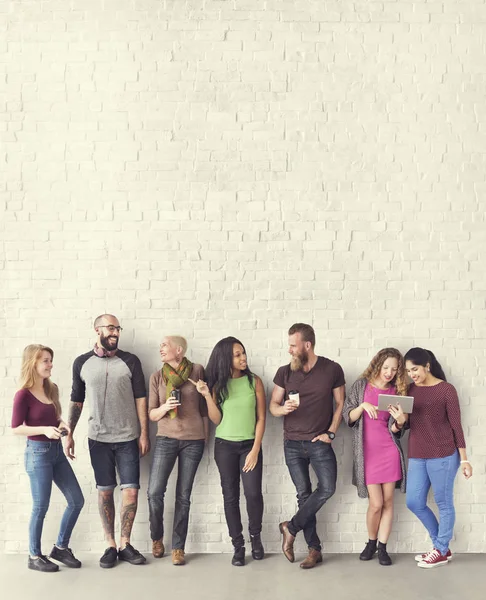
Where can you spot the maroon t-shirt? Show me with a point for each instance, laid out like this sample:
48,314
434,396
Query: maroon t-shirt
435,422
27,410
314,415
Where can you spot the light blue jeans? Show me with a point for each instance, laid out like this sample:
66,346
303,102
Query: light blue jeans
45,463
440,474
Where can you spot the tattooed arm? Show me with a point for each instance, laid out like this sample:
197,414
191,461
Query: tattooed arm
78,394
143,441
74,414
75,411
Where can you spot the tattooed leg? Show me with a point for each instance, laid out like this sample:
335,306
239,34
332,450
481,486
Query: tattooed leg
107,513
127,514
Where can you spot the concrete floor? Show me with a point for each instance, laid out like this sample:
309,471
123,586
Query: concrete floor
212,577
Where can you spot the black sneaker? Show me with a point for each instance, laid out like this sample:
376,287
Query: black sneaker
42,563
66,557
131,555
369,551
108,560
257,550
383,556
238,559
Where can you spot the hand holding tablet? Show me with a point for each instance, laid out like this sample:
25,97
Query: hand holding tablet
385,400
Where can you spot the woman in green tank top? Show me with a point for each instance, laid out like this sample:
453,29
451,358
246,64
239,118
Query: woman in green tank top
236,405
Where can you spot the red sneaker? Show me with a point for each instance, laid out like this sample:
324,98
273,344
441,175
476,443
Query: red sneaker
420,557
433,559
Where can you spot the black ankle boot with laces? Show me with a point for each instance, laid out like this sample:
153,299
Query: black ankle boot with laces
238,559
383,556
369,551
257,550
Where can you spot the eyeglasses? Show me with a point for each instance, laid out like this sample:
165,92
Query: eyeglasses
112,328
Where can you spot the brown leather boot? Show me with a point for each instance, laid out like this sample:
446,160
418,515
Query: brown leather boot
311,560
158,548
287,542
178,557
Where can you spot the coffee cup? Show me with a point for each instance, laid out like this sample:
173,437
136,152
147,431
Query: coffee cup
294,397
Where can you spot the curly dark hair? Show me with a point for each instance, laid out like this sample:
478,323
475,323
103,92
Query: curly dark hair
219,368
374,368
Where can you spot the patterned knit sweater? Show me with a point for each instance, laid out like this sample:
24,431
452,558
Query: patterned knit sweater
353,400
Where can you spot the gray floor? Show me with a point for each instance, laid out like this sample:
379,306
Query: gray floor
211,577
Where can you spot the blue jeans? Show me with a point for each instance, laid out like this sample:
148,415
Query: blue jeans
107,457
166,452
45,463
320,456
440,474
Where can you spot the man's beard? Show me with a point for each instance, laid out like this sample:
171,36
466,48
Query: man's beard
109,344
297,363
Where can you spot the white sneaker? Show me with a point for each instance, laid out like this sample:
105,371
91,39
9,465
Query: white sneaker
421,557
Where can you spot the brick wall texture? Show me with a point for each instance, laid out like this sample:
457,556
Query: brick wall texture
230,167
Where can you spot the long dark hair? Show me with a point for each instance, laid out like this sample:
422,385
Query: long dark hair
220,366
422,357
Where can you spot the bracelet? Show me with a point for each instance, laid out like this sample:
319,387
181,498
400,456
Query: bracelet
464,461
398,426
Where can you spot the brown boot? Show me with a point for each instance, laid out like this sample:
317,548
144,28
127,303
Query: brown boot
311,560
287,542
178,557
158,548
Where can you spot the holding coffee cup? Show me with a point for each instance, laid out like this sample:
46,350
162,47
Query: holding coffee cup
294,397
176,394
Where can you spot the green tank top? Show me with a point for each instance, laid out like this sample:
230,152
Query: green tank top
239,412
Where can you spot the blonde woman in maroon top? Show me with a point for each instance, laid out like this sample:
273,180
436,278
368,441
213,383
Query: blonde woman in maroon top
436,451
37,415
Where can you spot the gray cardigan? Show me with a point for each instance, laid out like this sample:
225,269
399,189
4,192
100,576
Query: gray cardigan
353,400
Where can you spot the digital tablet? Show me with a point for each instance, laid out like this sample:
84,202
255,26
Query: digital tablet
406,402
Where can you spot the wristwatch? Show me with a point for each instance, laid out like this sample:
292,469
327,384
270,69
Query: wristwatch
331,435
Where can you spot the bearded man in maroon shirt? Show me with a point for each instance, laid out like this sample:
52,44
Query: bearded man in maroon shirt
309,394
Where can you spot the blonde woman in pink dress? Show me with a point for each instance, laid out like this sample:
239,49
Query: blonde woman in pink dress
378,461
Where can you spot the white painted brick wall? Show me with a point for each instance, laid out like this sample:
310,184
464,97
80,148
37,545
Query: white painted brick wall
215,168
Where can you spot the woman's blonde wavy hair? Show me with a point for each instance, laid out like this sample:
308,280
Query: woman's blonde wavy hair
374,368
28,374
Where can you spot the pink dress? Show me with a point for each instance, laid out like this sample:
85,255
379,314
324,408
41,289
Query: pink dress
381,457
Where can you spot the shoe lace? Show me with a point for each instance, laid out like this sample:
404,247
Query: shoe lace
432,555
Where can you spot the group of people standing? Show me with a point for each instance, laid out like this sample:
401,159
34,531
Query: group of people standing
309,393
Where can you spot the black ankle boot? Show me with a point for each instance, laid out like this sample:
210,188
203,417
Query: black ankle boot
383,556
238,559
257,550
369,551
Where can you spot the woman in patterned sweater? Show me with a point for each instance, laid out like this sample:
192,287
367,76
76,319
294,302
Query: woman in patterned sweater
378,462
436,450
